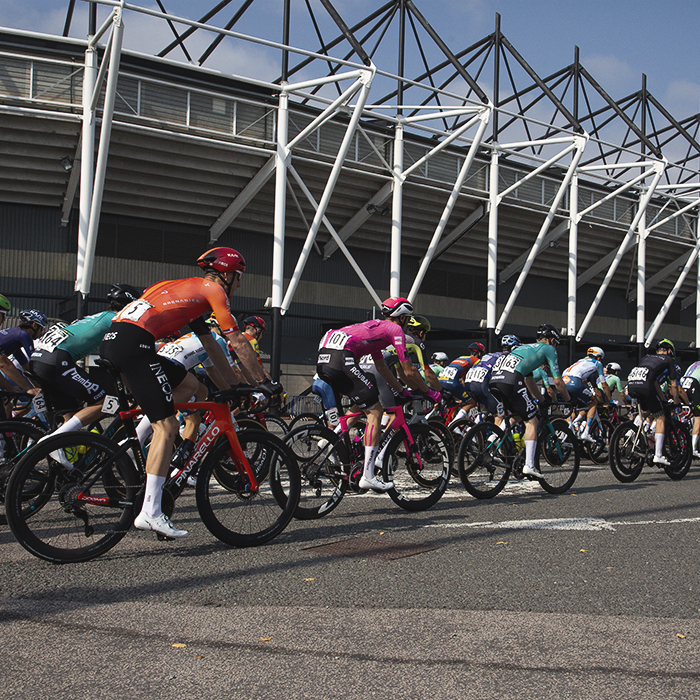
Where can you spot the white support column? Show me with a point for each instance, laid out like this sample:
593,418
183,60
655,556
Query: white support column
641,276
103,151
396,214
697,294
87,158
580,145
659,168
281,160
573,257
447,211
366,81
492,265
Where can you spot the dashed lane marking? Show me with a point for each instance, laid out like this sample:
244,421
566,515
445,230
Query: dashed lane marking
589,524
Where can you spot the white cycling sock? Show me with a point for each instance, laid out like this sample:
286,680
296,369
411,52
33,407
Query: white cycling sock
153,497
370,456
530,446
462,413
695,442
659,441
144,430
73,423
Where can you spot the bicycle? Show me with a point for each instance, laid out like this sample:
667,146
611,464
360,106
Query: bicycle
632,446
489,454
415,458
600,430
247,486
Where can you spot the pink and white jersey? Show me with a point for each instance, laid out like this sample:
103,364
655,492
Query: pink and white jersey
368,338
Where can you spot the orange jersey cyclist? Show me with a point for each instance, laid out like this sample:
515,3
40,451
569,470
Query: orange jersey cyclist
338,355
156,382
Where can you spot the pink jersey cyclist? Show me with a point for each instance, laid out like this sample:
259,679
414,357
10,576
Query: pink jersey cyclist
368,338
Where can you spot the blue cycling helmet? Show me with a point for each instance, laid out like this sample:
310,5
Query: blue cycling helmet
33,316
509,342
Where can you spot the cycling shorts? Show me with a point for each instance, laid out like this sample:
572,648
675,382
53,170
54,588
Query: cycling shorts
647,396
455,388
480,391
339,368
151,378
579,390
514,395
66,384
692,388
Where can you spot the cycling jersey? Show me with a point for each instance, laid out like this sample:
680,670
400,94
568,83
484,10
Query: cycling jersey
476,381
166,307
189,352
79,339
613,381
255,345
643,381
367,338
17,343
457,368
540,375
525,359
415,348
587,370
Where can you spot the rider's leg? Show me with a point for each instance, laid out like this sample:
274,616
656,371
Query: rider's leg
590,416
659,436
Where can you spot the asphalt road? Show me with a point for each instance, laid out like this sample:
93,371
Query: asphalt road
592,594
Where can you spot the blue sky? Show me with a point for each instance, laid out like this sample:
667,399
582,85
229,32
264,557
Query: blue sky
618,39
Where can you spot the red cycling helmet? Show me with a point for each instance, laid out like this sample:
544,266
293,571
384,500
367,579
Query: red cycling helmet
397,306
256,322
477,349
222,260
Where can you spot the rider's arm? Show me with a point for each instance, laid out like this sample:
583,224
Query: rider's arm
246,355
412,376
8,368
561,388
385,373
531,385
431,378
219,360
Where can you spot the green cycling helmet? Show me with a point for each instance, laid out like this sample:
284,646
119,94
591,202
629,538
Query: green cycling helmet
4,304
666,344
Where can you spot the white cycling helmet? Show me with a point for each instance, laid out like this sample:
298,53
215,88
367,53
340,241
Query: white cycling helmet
596,352
613,367
439,357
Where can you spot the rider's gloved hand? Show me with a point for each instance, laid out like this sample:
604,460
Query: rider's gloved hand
406,394
270,387
433,395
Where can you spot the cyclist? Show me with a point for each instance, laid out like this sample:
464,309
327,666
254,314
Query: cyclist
338,355
57,352
156,382
5,308
643,384
416,330
452,377
612,369
476,380
512,382
690,392
18,343
438,361
582,380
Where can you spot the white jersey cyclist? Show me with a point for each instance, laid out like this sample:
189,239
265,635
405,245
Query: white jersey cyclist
189,352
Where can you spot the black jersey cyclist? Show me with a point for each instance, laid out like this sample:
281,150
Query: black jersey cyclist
644,384
512,382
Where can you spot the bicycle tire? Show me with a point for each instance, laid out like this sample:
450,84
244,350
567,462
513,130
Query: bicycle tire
276,426
17,436
42,507
322,456
561,459
303,419
446,433
484,465
599,451
233,514
628,452
418,483
678,450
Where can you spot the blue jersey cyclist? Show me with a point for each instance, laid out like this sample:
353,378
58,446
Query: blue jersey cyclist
512,382
582,379
476,380
18,344
451,378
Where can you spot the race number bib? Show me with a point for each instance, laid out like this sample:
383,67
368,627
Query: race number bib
171,351
337,340
506,363
134,310
448,374
110,405
52,339
687,383
477,375
638,374
39,403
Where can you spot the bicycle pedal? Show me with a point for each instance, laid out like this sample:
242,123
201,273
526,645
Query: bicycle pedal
165,538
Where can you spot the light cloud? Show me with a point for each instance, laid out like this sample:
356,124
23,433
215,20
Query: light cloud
682,98
613,74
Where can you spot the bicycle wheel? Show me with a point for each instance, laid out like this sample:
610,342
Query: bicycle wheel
598,451
678,450
323,461
458,429
44,510
305,419
420,473
628,452
449,440
560,455
276,426
484,461
234,514
17,436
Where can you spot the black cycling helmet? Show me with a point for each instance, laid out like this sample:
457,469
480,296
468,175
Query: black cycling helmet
547,330
477,349
122,294
666,344
256,322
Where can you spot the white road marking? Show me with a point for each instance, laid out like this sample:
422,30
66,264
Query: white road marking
590,524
